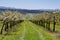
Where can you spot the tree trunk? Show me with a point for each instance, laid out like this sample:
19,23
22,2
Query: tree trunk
54,23
48,25
10,24
54,26
6,26
2,27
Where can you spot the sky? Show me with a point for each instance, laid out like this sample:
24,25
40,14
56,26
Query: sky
31,4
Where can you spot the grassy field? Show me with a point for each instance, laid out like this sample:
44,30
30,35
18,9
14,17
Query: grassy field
29,31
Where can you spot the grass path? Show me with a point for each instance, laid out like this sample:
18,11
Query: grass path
46,34
29,31
39,33
23,34
31,34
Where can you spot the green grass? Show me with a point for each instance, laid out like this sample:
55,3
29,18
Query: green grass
13,35
28,31
30,34
46,34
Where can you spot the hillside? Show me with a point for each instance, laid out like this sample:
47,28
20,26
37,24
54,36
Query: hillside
32,11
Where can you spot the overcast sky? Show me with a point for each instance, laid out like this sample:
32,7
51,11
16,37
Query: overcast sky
31,4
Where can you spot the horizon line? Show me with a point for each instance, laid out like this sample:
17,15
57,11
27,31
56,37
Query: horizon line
30,8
